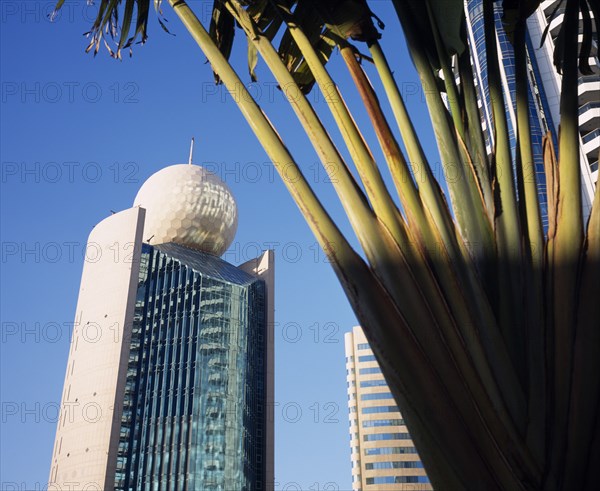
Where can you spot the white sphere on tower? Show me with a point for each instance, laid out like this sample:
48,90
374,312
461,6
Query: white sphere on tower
188,205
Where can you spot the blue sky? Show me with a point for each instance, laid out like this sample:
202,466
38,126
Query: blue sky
79,136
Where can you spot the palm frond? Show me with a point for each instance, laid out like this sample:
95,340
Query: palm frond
114,25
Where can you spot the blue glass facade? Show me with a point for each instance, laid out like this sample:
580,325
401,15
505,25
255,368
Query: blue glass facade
539,113
194,415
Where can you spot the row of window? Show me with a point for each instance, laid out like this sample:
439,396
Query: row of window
376,396
368,370
374,383
397,479
364,358
386,436
390,450
382,422
416,464
379,409
350,359
363,346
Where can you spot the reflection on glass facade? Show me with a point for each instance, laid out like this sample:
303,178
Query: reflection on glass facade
194,412
539,113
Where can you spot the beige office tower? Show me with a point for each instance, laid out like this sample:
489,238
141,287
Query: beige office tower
169,382
383,455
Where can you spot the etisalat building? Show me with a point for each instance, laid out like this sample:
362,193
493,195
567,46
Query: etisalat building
169,382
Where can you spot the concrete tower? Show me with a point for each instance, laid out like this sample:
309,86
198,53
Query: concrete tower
169,381
383,454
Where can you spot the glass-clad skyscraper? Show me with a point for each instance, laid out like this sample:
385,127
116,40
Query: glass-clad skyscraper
194,410
539,115
169,383
543,96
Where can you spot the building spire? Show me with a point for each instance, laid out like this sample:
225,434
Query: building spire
191,151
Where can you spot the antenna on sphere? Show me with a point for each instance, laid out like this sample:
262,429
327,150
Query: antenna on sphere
191,152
